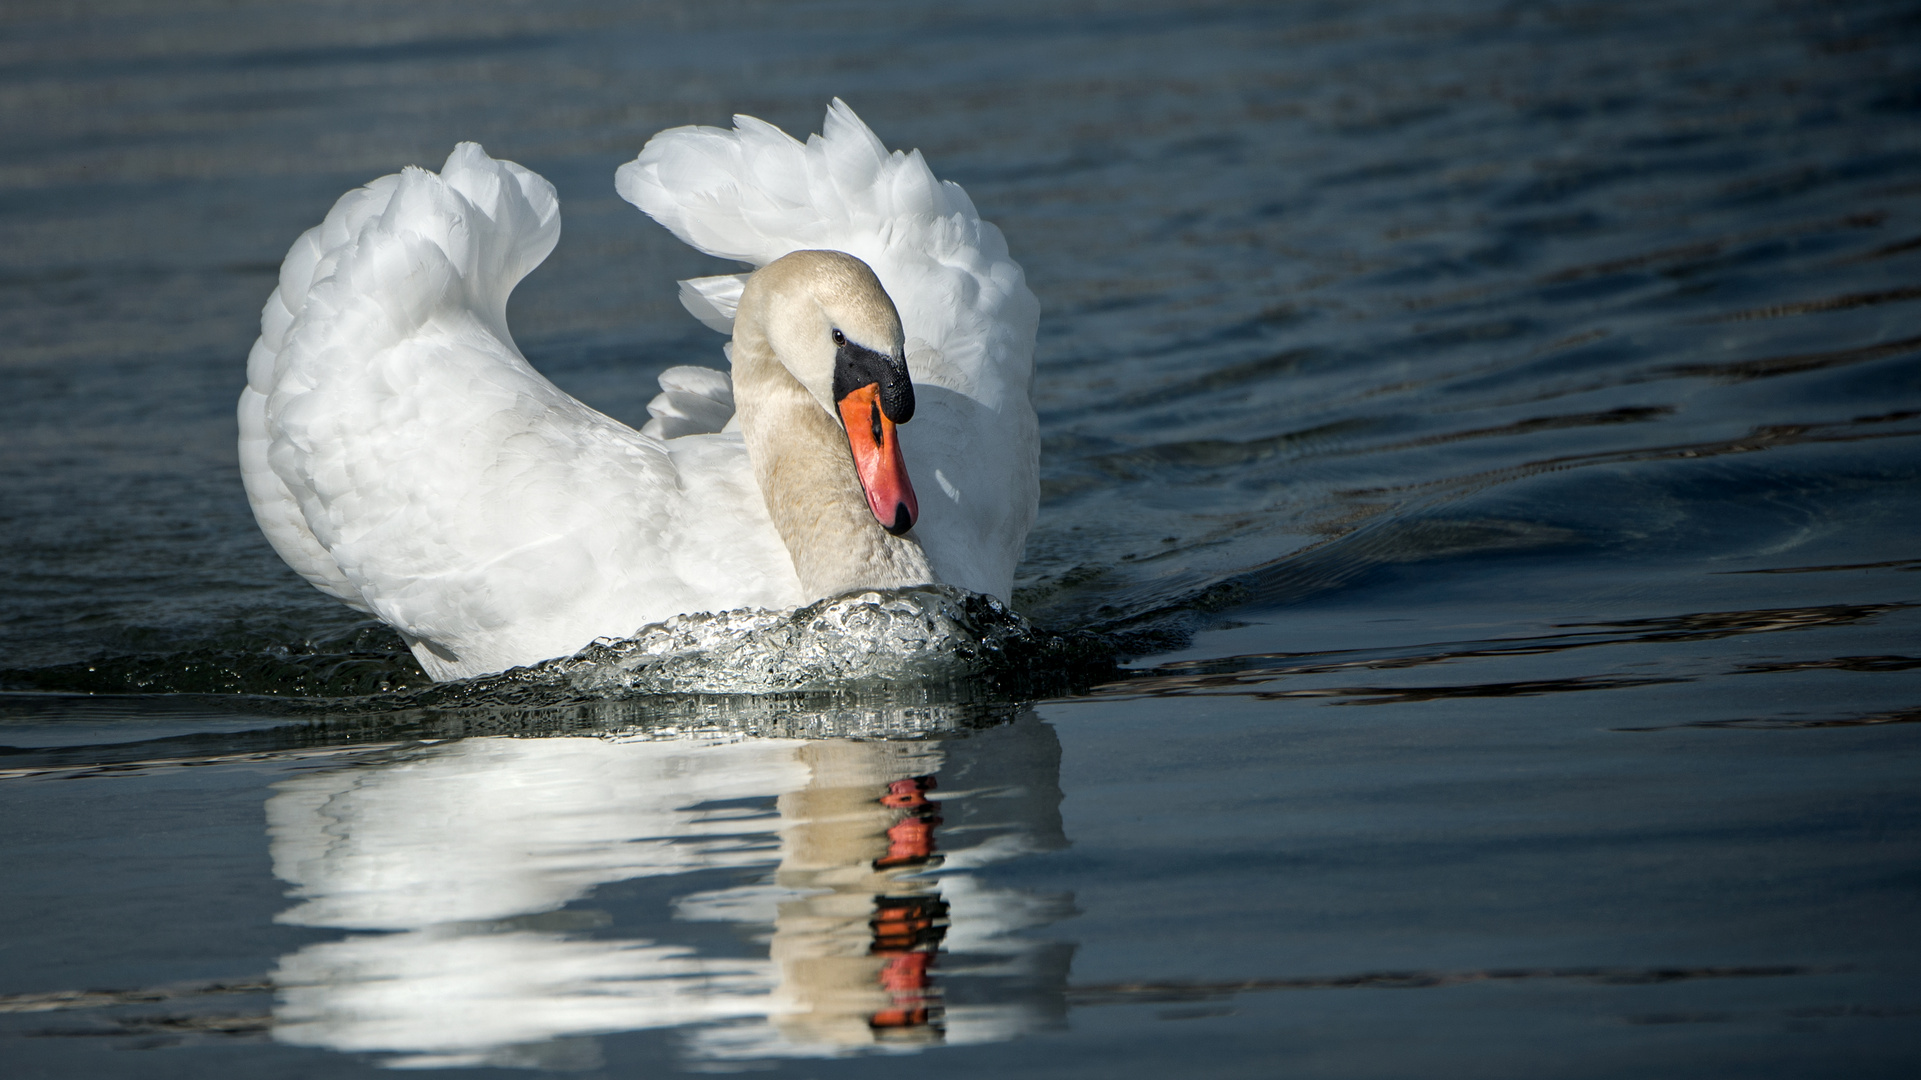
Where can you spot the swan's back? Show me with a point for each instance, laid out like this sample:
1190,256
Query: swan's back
754,194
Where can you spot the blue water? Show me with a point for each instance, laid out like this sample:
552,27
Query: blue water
1487,436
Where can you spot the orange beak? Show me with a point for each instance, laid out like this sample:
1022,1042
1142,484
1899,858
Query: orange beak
877,460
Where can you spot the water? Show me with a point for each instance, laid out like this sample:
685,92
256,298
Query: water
1488,436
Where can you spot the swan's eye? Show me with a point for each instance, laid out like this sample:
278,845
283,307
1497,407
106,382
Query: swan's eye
839,338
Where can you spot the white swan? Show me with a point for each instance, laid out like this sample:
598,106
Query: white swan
402,455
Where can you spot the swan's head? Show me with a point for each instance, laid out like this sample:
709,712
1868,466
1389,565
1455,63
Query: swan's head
834,328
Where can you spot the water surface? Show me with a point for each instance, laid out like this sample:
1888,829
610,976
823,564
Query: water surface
1487,434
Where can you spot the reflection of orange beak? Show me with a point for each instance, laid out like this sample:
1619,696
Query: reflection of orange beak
877,460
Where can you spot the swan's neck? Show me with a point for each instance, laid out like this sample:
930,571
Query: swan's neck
806,475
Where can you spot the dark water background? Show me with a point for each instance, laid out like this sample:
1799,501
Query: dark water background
1491,431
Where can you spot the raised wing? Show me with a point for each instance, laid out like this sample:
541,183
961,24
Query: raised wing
403,456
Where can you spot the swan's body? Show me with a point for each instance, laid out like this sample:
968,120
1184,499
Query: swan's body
402,455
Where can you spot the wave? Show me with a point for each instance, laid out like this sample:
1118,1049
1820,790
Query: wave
874,642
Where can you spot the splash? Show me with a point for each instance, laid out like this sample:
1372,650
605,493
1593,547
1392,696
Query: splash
931,642
927,634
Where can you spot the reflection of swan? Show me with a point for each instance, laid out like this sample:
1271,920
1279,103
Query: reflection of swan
474,857
402,455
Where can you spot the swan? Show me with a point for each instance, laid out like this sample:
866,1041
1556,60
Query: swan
402,456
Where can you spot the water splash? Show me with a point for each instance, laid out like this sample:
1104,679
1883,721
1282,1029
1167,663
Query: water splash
929,635
954,644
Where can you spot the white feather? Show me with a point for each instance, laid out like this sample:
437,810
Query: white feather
713,300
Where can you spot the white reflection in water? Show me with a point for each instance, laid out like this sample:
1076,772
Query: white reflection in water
855,890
